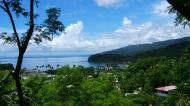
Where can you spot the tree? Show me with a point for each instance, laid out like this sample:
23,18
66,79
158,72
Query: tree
45,31
181,8
101,91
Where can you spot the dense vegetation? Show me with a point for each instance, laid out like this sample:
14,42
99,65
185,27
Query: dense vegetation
6,67
79,86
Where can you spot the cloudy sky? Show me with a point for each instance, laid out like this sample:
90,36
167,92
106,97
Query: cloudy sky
98,25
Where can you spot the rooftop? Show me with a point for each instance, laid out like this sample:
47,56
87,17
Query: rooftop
167,88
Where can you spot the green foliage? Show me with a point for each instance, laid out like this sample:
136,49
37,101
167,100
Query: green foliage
47,94
78,86
6,67
7,89
50,27
32,86
70,87
68,84
184,101
102,91
52,23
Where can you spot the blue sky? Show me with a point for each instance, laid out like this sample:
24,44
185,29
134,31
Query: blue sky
105,18
100,25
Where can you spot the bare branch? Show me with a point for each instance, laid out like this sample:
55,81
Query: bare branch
13,23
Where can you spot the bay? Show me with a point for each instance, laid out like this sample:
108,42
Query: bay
32,62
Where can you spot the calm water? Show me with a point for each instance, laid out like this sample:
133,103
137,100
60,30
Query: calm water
32,62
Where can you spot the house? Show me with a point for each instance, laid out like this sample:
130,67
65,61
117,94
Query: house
164,91
122,66
134,93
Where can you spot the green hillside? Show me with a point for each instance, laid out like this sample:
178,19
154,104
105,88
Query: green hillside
171,51
132,49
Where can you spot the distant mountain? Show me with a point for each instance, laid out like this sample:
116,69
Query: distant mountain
145,47
169,48
171,51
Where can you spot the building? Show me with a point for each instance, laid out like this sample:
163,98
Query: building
164,91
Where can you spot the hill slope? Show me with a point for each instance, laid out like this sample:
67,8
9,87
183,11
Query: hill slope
145,47
175,49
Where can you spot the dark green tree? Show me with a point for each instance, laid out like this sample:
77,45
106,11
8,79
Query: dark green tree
45,31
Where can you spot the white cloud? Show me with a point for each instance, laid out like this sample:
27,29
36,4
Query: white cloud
127,34
145,33
7,47
72,39
161,8
109,3
75,39
126,21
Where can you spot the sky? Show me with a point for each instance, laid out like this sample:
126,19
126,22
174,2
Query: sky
94,26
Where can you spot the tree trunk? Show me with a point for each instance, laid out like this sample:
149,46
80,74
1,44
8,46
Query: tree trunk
22,47
19,90
22,50
16,76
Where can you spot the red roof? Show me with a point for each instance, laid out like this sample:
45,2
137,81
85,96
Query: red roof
167,88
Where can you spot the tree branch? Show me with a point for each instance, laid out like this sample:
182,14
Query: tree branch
180,8
13,23
31,28
3,8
